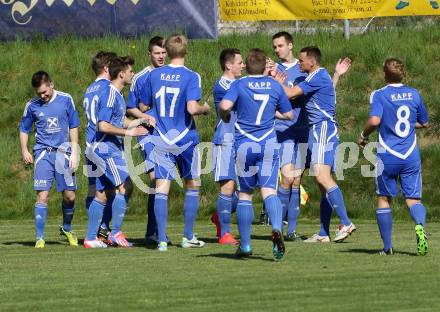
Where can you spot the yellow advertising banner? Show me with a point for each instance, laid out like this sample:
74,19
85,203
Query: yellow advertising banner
259,10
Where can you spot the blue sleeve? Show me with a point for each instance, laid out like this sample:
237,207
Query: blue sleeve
232,93
72,114
422,113
144,95
284,105
133,99
27,119
105,107
194,92
310,85
376,108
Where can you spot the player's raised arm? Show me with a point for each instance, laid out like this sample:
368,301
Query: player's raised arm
342,66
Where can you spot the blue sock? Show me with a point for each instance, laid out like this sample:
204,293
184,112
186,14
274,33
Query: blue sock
94,219
293,210
190,208
68,210
89,200
161,213
118,212
384,219
335,198
40,213
245,217
418,213
284,196
107,215
274,210
325,215
224,207
234,202
151,223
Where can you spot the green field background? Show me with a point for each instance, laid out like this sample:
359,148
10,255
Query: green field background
67,59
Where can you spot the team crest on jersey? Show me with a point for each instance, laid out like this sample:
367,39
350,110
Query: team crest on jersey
52,125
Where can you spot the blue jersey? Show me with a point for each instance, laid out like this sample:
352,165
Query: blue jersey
256,99
139,83
320,96
400,107
224,131
299,121
90,102
111,109
52,120
168,90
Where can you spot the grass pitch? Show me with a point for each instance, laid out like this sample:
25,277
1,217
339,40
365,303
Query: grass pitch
327,277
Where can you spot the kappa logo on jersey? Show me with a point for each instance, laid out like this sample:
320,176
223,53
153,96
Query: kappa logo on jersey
52,125
168,77
401,97
256,85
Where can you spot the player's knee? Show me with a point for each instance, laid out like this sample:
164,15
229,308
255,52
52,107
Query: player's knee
227,188
296,182
43,198
69,197
126,188
192,184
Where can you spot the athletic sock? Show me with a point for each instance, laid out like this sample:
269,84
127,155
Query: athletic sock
418,213
161,213
94,219
274,210
190,208
245,217
40,213
336,199
68,210
107,214
384,219
151,223
234,202
89,200
119,208
224,207
293,210
325,214
284,196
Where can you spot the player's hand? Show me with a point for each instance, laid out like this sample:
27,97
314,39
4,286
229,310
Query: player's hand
362,142
342,66
136,131
271,68
27,157
206,108
281,77
150,121
73,162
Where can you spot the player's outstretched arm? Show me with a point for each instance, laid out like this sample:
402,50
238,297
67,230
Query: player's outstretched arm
108,128
195,109
27,157
293,93
285,116
422,126
74,155
342,66
143,118
371,125
224,110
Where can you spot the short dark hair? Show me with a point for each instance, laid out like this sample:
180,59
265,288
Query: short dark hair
101,60
312,51
119,64
256,62
284,34
156,41
39,78
227,55
394,70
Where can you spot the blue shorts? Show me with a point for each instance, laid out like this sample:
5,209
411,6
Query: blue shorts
185,157
50,164
95,166
224,162
323,143
294,148
410,175
257,164
115,171
147,149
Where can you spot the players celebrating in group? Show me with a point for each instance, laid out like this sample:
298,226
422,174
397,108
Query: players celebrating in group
271,125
